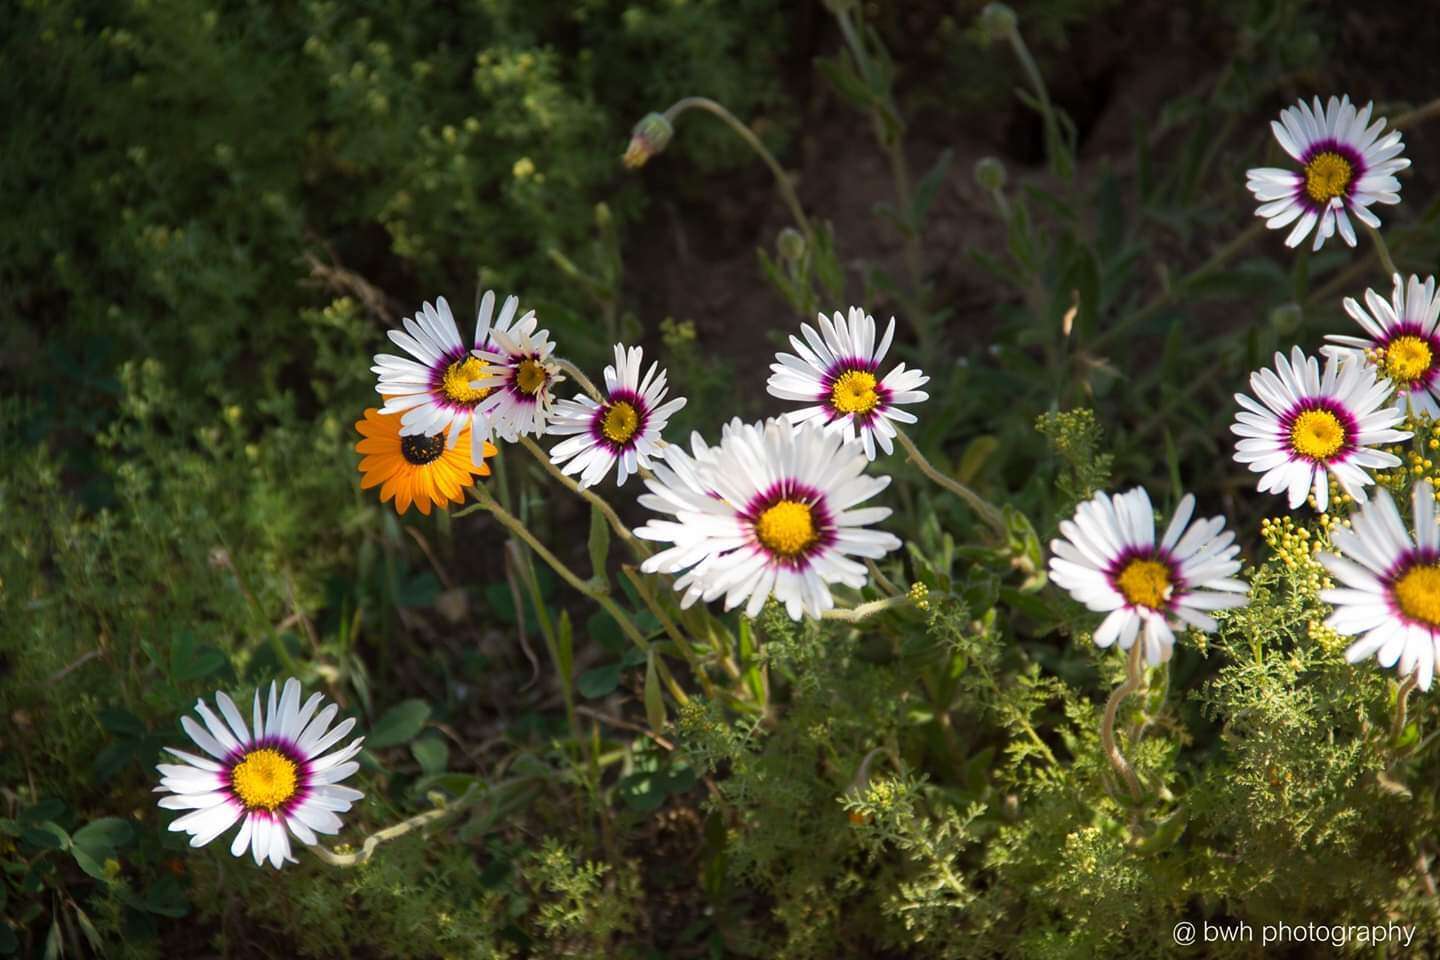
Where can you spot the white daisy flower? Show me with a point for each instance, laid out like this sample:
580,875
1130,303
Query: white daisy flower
839,373
435,390
519,378
1390,593
273,777
1345,166
1307,427
1401,340
624,430
773,514
1108,559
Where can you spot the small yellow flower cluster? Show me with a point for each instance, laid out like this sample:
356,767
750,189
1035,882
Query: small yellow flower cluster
881,794
1297,547
1421,457
920,596
1326,638
1340,502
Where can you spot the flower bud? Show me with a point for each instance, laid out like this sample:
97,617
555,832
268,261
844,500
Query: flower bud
791,244
1286,318
990,173
997,22
650,136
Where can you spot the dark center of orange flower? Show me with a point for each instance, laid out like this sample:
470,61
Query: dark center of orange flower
421,450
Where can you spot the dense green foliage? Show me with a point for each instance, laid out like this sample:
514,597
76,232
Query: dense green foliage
214,212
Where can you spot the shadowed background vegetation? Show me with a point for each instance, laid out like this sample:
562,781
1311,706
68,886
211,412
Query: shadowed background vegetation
212,213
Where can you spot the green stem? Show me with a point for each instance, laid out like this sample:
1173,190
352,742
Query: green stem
579,377
1402,699
400,829
883,581
865,610
1134,671
1382,251
588,588
1053,142
986,510
590,496
668,625
782,179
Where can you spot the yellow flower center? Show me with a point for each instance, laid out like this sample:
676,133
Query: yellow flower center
1418,593
1407,359
1144,583
456,382
620,422
787,528
854,392
1327,176
1317,434
265,779
531,376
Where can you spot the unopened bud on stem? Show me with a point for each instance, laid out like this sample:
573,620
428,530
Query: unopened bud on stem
650,136
990,173
997,22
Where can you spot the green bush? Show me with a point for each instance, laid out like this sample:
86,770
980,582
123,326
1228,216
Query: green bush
213,215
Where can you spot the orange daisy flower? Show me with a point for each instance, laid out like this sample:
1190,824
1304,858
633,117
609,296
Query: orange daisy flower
418,469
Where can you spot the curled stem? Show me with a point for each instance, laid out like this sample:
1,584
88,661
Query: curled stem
1134,671
986,510
782,179
367,848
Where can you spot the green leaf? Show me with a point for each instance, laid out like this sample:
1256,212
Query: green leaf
600,681
399,724
166,898
121,722
929,186
190,662
599,544
602,628
86,927
432,754
103,836
45,836
972,461
654,702
565,648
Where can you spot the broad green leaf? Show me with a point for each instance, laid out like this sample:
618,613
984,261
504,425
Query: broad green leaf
432,754
600,681
399,724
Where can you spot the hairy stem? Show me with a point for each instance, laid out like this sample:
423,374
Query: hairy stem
1134,671
367,848
865,610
